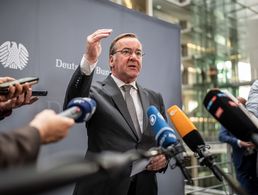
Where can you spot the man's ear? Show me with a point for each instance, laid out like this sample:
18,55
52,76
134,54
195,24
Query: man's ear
111,60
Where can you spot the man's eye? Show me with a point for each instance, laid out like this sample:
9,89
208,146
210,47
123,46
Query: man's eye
126,51
138,53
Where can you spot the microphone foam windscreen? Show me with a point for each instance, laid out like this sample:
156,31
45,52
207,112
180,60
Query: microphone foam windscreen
181,122
193,140
185,128
229,114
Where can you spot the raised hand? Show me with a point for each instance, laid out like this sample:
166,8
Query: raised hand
93,45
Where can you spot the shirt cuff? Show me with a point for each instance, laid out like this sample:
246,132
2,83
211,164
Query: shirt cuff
238,143
86,67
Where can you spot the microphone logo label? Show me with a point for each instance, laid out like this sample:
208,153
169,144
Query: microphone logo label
79,101
219,112
172,112
152,119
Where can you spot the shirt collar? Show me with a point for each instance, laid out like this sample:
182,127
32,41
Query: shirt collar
121,83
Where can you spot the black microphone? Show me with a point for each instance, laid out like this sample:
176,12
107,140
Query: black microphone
233,116
80,109
192,138
96,168
166,138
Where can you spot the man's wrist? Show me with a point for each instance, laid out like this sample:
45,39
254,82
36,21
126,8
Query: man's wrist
239,143
87,67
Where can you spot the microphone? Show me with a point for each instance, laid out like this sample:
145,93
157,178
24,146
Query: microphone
80,109
166,138
193,139
164,135
95,168
233,116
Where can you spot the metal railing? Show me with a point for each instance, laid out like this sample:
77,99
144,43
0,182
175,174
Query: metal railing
212,187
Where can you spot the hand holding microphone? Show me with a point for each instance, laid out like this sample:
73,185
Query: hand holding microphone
166,138
157,162
80,109
53,127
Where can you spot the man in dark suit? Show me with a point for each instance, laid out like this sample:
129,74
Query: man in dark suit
112,127
243,157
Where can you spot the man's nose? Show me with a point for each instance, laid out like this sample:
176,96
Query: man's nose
133,55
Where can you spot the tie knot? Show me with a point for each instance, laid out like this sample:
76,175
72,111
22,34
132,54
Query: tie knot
126,88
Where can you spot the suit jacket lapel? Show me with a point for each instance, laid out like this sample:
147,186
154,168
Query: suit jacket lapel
112,89
145,104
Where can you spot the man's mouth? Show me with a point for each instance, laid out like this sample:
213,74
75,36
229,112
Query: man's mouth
132,66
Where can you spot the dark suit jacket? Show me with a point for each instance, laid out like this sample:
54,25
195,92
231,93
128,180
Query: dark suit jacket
245,164
19,147
111,127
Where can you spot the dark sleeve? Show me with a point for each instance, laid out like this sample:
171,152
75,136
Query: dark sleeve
19,147
5,113
163,112
79,86
226,137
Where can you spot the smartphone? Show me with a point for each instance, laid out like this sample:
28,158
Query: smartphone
4,87
39,92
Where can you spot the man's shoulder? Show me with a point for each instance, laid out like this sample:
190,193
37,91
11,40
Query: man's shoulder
97,84
103,81
151,91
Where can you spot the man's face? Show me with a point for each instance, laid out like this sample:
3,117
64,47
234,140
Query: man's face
126,63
